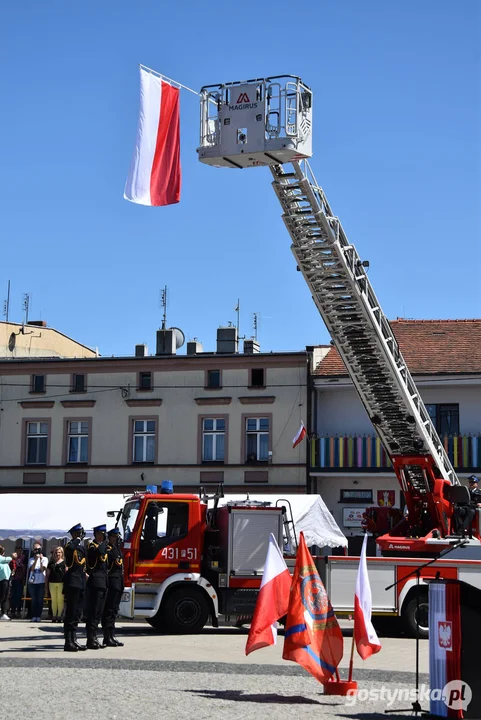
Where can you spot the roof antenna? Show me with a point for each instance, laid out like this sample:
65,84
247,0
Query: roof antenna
6,303
256,324
163,303
25,306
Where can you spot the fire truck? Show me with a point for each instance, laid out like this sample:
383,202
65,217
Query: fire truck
214,568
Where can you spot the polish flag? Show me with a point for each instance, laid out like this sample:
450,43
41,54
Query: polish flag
272,601
154,176
365,637
301,434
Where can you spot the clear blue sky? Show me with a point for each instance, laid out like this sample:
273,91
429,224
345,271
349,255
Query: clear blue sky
397,148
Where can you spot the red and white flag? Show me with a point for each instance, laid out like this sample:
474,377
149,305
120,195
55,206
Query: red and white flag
366,639
272,601
154,176
301,434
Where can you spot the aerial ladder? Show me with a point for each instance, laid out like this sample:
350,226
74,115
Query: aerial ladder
268,122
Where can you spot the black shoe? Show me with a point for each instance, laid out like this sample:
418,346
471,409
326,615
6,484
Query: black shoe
69,643
114,639
108,641
93,643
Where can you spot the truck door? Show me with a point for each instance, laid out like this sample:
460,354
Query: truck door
168,540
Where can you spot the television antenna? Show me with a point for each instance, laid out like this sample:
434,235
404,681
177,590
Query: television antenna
26,306
163,304
6,303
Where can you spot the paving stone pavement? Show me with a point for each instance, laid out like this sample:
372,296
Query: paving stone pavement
177,677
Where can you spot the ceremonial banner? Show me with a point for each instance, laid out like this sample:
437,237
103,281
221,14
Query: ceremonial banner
366,639
313,637
445,649
155,176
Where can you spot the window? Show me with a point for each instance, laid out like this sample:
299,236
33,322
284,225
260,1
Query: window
78,441
445,418
78,383
213,439
164,524
145,381
38,383
257,379
144,441
257,439
213,379
37,443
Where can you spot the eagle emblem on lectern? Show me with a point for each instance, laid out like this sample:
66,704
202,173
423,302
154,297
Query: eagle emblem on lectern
445,635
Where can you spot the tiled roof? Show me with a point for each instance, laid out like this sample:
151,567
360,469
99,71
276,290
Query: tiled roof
429,347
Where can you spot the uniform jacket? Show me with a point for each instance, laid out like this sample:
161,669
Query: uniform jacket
115,566
97,565
75,565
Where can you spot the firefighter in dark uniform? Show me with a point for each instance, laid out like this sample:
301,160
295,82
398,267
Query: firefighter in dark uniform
97,584
74,587
115,565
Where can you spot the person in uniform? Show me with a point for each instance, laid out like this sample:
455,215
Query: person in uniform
97,584
115,569
474,491
74,584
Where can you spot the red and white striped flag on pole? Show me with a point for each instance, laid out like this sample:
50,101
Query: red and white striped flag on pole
154,176
272,601
366,639
301,434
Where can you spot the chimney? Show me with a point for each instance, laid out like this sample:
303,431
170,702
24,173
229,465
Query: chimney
141,351
37,323
194,347
251,347
227,342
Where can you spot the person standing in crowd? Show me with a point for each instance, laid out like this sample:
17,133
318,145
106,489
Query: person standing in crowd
97,584
55,577
17,581
74,585
5,573
37,569
115,569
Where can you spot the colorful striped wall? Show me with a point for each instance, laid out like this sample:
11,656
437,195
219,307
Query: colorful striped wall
355,451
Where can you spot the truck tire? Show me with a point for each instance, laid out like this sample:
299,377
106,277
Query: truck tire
184,611
413,623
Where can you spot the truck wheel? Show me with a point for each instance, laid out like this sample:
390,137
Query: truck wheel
185,610
415,619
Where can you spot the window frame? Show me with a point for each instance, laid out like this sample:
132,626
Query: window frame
66,442
251,384
25,437
33,391
146,418
437,420
257,416
73,388
200,439
139,381
207,386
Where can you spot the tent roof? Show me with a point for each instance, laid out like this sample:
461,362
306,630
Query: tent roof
49,515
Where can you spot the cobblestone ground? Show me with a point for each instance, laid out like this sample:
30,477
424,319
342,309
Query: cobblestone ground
165,677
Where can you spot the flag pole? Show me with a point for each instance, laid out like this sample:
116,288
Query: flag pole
154,72
351,661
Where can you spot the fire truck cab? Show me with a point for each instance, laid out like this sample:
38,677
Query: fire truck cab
185,562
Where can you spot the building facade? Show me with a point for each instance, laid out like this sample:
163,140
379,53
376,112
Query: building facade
34,339
348,465
119,424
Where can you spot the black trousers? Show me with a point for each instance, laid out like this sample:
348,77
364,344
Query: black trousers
4,588
97,597
74,602
111,607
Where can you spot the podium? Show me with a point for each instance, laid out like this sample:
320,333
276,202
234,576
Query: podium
454,649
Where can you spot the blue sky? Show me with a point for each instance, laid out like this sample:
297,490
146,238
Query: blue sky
397,148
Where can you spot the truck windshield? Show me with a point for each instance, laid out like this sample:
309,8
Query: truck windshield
129,516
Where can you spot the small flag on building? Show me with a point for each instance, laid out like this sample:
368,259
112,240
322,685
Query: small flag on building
155,176
272,601
366,639
313,637
301,434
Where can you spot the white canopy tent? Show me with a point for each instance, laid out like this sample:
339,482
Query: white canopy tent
49,515
310,515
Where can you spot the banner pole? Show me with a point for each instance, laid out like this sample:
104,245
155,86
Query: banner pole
154,72
351,661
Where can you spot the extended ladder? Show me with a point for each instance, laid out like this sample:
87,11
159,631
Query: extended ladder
344,297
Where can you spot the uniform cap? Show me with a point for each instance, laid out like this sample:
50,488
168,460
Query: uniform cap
473,478
100,528
114,531
76,528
